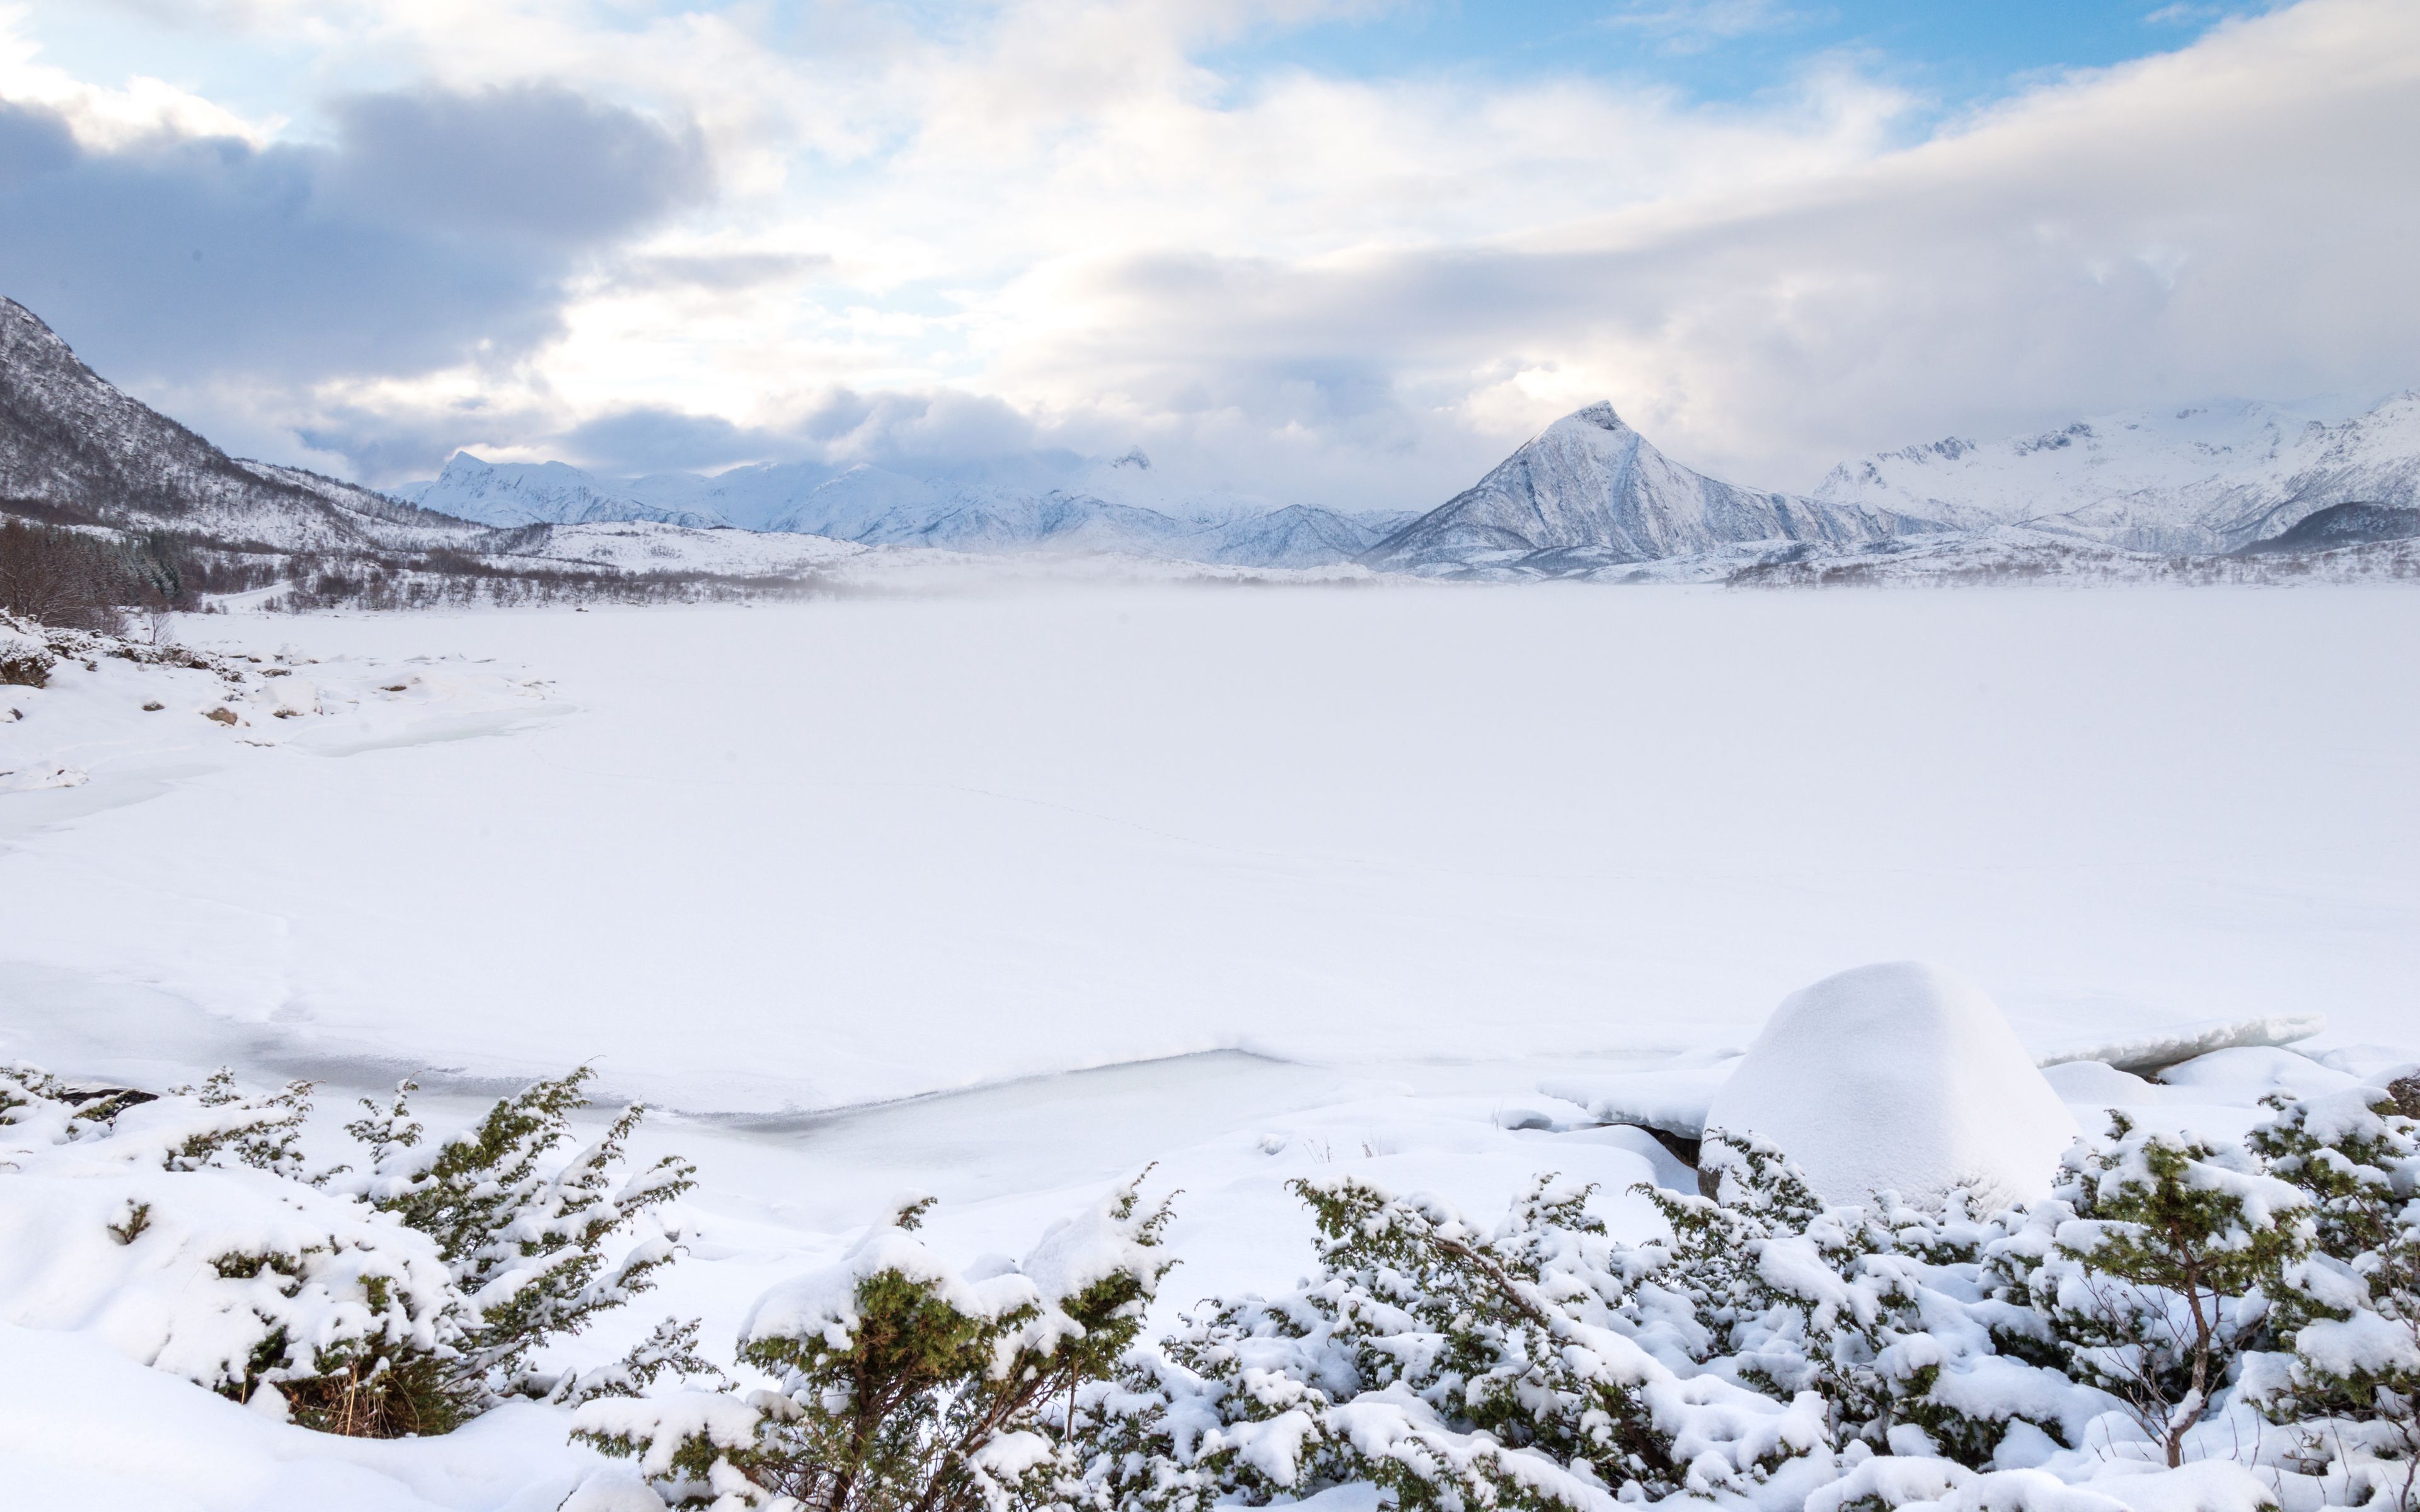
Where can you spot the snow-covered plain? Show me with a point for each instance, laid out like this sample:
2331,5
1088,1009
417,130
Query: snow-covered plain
1252,882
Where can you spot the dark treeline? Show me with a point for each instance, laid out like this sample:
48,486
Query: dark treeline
94,582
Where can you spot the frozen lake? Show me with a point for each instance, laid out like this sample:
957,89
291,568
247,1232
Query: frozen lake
791,858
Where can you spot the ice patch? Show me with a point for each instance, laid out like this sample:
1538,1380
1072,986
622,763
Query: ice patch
2153,1049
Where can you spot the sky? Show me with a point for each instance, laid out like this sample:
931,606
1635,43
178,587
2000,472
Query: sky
1338,251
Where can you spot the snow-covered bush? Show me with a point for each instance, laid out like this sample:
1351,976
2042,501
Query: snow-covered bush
2163,1254
2349,1314
175,1228
524,1236
185,1230
1454,1366
907,1384
1765,1347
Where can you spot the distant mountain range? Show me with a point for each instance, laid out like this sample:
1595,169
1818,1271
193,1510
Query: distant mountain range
1587,497
1049,503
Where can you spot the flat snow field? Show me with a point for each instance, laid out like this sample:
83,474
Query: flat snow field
796,857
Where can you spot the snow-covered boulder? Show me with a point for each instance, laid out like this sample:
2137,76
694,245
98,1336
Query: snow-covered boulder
1898,1077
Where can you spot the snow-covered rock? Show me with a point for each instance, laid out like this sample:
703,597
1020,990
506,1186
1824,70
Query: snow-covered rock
1588,484
1898,1077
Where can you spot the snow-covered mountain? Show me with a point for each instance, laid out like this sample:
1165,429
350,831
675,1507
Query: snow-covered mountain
2208,477
748,498
1046,504
73,449
1590,489
537,493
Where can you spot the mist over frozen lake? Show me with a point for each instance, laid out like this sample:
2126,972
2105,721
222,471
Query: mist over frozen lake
818,855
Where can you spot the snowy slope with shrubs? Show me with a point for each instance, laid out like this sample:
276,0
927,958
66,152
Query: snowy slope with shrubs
2175,1322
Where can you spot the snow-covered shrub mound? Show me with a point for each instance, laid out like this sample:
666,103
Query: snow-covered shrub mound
522,1230
906,1381
165,1229
400,1296
1901,1078
2133,1341
2349,1313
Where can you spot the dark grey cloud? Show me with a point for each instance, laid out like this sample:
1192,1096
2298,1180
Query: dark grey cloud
533,163
724,273
438,227
933,432
657,439
392,444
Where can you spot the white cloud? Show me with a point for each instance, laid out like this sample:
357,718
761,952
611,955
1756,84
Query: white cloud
1363,290
108,118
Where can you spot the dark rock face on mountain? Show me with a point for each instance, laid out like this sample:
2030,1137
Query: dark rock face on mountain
2340,525
73,450
1591,485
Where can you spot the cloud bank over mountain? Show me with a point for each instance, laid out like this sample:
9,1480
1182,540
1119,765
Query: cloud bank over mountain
1044,227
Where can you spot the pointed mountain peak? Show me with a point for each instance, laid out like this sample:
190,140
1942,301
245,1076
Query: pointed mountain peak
1598,415
1133,458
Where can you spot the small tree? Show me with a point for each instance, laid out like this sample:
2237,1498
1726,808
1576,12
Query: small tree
2159,1279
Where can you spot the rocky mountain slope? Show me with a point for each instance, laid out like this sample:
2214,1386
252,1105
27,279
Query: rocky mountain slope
1591,491
2205,478
73,450
2340,525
